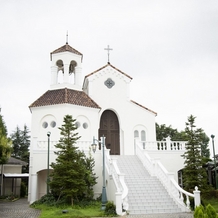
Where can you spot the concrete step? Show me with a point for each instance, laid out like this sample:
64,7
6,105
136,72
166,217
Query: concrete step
146,193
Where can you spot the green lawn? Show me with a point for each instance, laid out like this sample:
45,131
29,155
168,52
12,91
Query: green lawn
75,211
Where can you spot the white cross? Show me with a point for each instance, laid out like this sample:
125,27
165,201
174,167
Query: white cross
108,52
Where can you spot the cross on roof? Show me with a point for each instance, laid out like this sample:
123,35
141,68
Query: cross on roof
67,38
108,52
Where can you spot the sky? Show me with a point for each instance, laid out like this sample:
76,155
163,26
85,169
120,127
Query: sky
168,47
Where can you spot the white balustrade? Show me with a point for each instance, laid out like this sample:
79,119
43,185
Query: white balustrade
43,145
118,178
155,168
166,145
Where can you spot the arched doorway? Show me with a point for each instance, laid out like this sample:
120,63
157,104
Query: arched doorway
109,127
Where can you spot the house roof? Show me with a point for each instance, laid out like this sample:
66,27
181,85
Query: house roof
144,107
15,161
108,64
65,96
64,48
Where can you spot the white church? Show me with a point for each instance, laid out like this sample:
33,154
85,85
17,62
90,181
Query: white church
142,175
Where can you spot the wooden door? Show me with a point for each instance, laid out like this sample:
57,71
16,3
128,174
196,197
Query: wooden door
109,127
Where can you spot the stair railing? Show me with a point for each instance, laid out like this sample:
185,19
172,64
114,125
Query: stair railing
155,168
118,178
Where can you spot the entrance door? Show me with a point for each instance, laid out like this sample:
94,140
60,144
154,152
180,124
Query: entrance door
109,127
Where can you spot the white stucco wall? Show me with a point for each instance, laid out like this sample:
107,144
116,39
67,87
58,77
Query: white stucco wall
117,99
171,160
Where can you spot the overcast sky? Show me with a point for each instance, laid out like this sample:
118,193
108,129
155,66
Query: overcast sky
169,47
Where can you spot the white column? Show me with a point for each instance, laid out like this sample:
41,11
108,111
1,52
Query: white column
197,197
66,73
33,188
118,203
54,75
78,75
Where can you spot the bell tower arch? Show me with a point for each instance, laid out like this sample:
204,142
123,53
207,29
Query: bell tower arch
66,70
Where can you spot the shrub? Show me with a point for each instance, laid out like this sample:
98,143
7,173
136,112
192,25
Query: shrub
211,212
201,212
110,209
47,199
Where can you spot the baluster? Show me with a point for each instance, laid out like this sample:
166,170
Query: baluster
187,202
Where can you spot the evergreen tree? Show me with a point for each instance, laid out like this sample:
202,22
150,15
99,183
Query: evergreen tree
193,173
20,145
90,177
205,151
21,142
5,142
25,144
70,172
16,142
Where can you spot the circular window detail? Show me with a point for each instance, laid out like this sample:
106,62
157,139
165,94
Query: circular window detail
45,125
77,125
85,125
53,124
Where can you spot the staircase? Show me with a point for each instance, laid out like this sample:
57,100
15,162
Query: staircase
146,194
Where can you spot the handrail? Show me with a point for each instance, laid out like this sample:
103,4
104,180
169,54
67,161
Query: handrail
118,178
155,168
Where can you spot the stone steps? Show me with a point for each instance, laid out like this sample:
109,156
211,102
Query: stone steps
146,194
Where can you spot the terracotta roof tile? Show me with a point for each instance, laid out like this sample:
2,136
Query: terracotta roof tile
105,67
65,96
144,107
64,48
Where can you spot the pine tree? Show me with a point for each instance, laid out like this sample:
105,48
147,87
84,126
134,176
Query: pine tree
16,141
193,173
90,177
21,142
70,174
25,144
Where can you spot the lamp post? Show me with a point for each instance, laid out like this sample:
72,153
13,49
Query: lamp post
48,134
214,158
104,194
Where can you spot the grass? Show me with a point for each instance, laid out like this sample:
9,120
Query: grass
72,211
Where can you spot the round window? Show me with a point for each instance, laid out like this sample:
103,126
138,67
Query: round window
77,124
53,124
45,125
85,125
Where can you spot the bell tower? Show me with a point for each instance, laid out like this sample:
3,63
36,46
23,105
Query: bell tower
66,68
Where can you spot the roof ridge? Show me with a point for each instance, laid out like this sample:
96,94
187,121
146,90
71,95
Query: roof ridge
108,64
144,107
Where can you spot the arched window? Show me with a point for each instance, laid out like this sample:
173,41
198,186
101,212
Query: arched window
60,72
72,75
143,138
136,134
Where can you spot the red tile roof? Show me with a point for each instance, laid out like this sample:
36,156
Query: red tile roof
65,96
105,67
64,48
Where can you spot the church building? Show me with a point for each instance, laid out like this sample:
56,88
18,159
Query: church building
100,102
